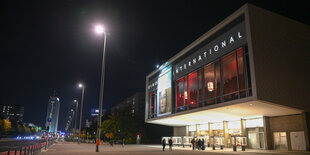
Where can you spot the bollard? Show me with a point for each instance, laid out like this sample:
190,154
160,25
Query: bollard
222,147
20,151
9,151
28,149
213,147
25,150
15,151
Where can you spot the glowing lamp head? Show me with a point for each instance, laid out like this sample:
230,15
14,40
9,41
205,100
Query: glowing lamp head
99,29
74,100
80,85
157,66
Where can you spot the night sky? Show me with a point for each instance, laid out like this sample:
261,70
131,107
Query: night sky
50,45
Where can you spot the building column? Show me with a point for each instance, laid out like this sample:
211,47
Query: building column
226,134
197,130
267,134
187,130
243,128
306,126
210,132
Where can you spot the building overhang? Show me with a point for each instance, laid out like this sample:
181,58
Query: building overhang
244,110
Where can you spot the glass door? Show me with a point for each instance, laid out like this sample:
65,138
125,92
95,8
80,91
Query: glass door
280,141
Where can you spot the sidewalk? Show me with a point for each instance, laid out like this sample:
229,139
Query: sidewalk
66,148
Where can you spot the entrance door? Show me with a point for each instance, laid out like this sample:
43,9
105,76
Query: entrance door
280,141
252,136
298,140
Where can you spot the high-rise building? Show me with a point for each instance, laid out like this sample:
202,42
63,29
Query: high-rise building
52,114
13,112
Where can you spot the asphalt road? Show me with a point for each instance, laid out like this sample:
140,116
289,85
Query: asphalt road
16,143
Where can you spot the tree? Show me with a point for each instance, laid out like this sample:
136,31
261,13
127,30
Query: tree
7,125
26,130
83,134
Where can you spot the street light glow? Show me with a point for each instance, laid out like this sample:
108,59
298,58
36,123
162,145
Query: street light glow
80,85
99,29
74,100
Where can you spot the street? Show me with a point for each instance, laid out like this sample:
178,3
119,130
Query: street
67,148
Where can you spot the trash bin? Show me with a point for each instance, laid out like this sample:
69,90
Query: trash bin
213,147
222,147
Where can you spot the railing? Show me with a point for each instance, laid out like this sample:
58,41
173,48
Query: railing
28,149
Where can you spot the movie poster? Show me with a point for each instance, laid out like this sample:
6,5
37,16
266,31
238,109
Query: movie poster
164,93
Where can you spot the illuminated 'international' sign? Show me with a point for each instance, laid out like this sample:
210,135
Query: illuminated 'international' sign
221,45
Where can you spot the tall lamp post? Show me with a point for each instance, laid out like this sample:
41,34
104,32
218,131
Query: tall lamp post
100,30
75,116
81,86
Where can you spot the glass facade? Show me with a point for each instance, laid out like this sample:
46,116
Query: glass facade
222,80
152,104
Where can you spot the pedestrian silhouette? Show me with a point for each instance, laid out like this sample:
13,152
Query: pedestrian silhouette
199,144
164,144
193,143
170,144
203,147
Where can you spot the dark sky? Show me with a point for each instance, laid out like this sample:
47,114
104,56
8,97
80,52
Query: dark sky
50,45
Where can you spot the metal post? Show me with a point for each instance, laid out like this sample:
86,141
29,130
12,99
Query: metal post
15,151
20,151
81,114
75,116
101,94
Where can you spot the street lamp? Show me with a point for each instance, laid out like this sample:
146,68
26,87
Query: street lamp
100,30
75,116
81,86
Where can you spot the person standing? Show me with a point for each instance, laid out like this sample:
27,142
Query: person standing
170,144
199,144
203,147
164,144
123,142
193,143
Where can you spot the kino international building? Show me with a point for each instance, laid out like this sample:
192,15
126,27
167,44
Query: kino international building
242,83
